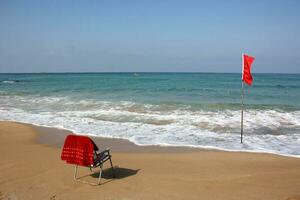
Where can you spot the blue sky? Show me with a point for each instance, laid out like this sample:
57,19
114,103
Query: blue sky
160,36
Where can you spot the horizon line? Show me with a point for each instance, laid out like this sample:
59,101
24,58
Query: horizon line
124,72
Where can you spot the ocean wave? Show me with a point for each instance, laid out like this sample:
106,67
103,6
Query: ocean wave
69,103
278,86
265,130
10,81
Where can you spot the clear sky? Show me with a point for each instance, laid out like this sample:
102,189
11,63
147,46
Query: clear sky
160,36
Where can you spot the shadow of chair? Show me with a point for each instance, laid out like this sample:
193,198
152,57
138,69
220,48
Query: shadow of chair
120,173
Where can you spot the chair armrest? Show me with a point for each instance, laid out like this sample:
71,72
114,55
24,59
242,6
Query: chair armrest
105,152
101,157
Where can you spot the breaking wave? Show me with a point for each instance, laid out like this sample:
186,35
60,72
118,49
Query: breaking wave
266,130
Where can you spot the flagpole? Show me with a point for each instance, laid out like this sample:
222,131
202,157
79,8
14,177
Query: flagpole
242,96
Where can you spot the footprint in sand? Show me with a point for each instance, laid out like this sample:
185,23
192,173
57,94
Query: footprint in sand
8,197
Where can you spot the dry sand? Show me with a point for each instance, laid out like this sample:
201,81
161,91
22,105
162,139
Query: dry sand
30,168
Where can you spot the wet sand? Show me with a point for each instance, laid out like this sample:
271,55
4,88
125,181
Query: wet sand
30,168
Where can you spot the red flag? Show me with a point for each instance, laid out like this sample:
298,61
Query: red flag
247,77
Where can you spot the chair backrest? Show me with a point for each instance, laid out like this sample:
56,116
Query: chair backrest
79,150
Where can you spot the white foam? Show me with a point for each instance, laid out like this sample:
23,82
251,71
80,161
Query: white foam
270,131
10,82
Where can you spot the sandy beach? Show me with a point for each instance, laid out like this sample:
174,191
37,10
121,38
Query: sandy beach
30,168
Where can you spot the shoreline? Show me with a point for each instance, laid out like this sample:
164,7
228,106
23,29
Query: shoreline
55,137
32,170
47,133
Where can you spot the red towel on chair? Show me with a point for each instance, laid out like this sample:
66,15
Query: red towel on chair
78,150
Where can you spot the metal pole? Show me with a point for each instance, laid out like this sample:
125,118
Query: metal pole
242,114
242,95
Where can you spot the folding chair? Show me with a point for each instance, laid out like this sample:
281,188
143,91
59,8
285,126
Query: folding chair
81,150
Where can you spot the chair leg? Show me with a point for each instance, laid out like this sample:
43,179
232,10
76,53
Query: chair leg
112,168
100,173
75,173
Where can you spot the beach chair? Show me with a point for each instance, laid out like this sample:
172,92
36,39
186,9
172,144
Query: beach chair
82,151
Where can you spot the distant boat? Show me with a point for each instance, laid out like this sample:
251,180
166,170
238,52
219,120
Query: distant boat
136,75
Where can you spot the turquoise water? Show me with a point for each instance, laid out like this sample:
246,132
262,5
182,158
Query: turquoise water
177,109
205,90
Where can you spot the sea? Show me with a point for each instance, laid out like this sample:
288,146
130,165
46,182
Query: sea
201,110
